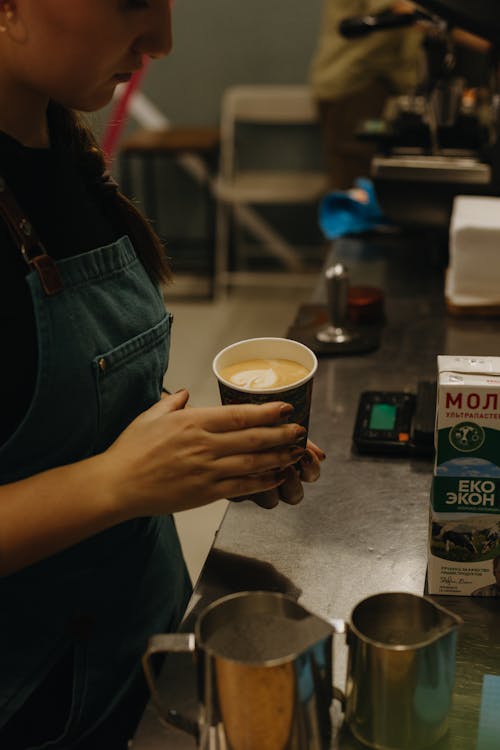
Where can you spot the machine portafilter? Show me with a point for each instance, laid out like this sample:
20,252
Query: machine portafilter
479,17
358,26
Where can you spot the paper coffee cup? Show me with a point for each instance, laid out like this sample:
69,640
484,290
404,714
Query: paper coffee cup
297,393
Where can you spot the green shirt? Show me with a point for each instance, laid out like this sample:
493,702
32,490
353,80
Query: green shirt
343,66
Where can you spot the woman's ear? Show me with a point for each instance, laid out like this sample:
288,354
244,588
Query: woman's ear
6,14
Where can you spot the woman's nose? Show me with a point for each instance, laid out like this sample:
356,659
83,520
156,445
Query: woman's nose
156,39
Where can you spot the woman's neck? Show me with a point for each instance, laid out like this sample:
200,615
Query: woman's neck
26,138
24,118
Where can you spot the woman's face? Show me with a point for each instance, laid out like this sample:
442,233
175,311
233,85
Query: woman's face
77,51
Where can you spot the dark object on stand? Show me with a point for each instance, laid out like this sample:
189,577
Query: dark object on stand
350,323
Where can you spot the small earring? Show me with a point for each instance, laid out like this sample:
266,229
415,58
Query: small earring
8,13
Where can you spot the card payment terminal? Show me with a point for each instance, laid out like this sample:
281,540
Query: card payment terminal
396,423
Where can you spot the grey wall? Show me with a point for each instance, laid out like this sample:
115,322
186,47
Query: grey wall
218,43
221,42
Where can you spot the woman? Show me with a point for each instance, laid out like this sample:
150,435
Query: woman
92,460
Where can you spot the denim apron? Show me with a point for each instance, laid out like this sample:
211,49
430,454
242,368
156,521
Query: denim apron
103,343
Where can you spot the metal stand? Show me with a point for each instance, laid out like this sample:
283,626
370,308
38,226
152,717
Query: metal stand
337,289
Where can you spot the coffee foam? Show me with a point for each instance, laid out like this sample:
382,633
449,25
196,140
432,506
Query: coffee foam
262,374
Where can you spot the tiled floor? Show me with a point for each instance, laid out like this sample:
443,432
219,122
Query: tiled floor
200,329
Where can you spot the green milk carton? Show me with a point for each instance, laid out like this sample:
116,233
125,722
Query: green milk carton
464,533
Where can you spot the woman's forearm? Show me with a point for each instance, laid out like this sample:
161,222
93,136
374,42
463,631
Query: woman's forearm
53,510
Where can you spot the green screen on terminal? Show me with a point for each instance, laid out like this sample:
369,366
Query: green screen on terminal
383,417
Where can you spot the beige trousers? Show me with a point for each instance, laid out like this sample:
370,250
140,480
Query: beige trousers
346,156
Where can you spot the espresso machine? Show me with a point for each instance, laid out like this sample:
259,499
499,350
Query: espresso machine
442,139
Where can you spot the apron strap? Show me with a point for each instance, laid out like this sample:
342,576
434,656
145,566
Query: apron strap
27,241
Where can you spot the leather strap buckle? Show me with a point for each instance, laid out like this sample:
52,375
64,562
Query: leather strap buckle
27,241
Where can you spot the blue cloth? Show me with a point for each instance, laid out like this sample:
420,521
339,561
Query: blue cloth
341,214
489,717
103,350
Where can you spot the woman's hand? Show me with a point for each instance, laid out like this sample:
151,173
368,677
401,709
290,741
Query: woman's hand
307,469
168,459
172,459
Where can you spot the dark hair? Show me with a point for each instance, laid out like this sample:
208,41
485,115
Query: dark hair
76,137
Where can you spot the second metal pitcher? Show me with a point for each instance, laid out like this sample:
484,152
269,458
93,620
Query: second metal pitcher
401,671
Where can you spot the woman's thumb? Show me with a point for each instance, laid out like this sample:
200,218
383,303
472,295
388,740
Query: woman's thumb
169,402
175,401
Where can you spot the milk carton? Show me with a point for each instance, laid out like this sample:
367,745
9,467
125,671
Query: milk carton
464,532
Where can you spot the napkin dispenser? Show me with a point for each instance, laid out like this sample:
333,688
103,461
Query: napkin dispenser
472,286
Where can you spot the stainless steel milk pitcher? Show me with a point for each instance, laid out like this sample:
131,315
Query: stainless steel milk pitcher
264,667
401,671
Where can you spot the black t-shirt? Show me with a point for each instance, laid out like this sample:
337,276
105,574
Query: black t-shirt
69,217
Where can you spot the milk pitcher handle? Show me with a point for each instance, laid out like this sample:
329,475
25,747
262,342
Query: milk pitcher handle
161,644
339,628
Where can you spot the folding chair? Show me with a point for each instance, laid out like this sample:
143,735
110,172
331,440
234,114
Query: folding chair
238,191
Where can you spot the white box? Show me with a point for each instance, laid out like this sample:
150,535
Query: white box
474,264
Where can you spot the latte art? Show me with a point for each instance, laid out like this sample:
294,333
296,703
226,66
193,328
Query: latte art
262,374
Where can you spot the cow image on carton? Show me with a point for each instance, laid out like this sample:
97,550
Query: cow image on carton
462,548
464,527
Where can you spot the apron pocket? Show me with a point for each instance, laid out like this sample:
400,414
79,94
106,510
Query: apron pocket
129,380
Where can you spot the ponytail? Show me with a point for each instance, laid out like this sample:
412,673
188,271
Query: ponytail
72,131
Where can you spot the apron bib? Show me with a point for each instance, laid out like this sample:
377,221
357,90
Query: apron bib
103,341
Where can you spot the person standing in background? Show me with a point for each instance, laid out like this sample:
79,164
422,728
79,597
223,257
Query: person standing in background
352,80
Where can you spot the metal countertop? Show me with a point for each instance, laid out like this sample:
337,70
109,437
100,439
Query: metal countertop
362,528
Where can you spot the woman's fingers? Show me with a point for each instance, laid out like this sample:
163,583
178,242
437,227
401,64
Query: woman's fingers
291,491
257,463
243,488
316,450
235,429
309,466
268,499
257,439
241,416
